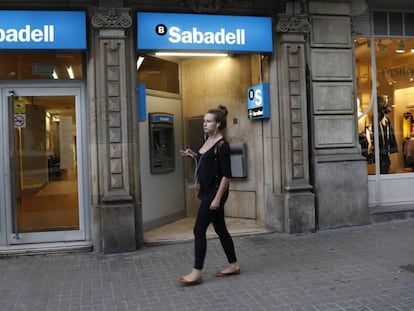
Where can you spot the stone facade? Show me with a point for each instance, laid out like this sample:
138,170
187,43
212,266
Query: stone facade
113,143
339,171
313,174
299,201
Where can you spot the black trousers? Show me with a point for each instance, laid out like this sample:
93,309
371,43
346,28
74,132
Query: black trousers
205,216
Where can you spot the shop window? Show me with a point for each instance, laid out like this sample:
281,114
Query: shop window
393,23
396,24
394,84
380,23
41,65
158,74
409,24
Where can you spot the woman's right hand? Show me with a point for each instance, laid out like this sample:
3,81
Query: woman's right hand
188,153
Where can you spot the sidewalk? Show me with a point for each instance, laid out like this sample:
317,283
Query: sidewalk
359,268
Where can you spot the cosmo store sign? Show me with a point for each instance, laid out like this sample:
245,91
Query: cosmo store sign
42,30
166,31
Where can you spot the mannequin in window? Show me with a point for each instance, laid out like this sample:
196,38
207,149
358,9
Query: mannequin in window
362,118
387,141
362,130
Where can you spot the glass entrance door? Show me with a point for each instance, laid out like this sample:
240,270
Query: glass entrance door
42,161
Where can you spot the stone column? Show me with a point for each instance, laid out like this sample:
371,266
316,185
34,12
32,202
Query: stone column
340,171
299,203
114,212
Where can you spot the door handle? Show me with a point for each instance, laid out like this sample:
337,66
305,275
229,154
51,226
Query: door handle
13,167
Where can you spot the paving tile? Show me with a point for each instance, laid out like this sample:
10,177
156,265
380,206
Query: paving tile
351,269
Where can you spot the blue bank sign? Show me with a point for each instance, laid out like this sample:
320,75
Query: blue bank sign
169,31
42,30
258,101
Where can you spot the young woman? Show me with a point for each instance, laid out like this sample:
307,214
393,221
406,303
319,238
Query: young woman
213,173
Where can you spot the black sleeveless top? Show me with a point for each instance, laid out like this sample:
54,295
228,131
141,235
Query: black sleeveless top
213,165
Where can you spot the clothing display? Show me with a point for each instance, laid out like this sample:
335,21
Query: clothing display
387,144
408,152
408,143
363,133
363,141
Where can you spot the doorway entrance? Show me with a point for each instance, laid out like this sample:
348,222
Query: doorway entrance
186,88
43,191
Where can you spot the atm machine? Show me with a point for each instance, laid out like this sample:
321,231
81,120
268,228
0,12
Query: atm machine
161,141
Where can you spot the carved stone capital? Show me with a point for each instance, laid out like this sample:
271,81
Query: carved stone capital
111,18
207,6
293,23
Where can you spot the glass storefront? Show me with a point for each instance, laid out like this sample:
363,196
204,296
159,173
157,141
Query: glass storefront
385,92
45,169
41,126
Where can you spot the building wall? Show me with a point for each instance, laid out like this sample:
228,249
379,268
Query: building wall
339,171
170,206
289,128
114,132
304,163
209,82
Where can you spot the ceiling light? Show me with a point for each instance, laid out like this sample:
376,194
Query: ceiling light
70,72
140,60
55,75
187,54
412,50
401,47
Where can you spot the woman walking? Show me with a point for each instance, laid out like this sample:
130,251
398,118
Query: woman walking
213,172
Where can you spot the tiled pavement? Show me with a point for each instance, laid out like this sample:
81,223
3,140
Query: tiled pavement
358,268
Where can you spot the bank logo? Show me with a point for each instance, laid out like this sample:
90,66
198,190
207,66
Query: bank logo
38,30
256,96
258,101
173,31
195,36
27,34
161,30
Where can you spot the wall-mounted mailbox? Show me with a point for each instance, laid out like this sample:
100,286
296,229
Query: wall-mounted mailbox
161,139
238,158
